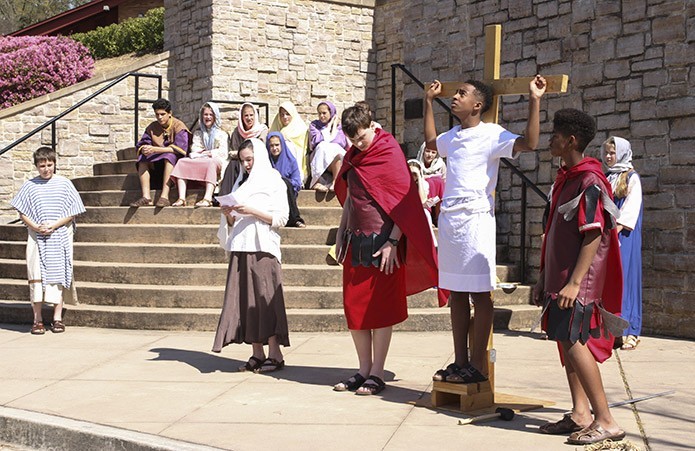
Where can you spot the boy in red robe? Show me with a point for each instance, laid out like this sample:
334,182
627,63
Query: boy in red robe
579,254
381,211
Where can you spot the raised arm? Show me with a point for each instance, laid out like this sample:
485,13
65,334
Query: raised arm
430,129
529,141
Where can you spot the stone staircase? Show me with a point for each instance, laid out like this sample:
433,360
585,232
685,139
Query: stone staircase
152,268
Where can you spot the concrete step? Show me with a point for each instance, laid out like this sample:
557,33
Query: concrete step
116,167
172,234
182,296
117,197
205,319
322,216
128,153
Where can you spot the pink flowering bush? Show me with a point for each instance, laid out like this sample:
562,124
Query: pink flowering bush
31,66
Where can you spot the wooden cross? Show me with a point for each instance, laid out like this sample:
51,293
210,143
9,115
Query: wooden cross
502,86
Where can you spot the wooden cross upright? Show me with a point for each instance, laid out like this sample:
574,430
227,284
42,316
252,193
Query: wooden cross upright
502,86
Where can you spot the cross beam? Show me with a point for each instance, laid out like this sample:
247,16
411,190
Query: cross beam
502,86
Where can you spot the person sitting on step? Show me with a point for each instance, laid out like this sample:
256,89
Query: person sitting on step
328,144
207,159
283,161
165,141
296,134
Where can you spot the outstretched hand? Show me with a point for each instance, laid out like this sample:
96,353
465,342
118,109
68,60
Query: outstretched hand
537,86
434,91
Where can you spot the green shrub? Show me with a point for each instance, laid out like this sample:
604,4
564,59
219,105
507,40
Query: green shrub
138,34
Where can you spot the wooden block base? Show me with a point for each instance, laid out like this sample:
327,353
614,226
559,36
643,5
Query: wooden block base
467,397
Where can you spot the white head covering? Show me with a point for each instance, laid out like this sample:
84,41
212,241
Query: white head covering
257,128
623,155
437,167
209,134
261,182
422,185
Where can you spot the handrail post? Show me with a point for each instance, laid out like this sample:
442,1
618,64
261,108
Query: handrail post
137,110
159,87
522,232
393,99
54,141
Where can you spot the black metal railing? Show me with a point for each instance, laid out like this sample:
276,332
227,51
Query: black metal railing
137,101
526,182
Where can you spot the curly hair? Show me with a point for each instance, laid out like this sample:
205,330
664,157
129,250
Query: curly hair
162,104
483,92
571,122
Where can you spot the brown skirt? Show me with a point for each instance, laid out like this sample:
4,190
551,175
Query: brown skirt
254,305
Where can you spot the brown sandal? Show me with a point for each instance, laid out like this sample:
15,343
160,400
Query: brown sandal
142,202
594,433
179,203
38,329
563,427
162,202
204,203
58,327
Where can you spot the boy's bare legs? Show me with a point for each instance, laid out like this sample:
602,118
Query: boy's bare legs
381,340
36,308
144,175
484,314
363,346
460,311
587,373
168,168
58,311
581,410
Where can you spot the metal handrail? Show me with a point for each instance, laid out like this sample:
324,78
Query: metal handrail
526,182
137,101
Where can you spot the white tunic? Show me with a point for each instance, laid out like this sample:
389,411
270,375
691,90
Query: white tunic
467,238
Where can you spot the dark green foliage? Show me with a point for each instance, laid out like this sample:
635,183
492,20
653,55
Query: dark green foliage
140,34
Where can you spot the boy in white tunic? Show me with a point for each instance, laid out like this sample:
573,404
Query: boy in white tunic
467,216
47,205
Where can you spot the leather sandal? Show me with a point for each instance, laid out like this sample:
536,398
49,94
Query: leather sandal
142,202
38,329
58,327
204,203
253,364
372,386
563,427
594,433
630,343
162,202
442,375
269,366
351,384
179,203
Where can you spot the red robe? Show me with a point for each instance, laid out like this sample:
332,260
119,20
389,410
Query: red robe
384,172
601,348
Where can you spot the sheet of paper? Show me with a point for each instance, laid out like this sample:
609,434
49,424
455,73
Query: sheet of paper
228,200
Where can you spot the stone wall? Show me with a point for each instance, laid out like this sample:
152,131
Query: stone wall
630,65
297,50
91,134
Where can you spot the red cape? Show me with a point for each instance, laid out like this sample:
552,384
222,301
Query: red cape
612,295
384,172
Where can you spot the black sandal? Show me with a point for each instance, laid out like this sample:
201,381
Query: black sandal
269,366
351,384
253,364
376,386
471,375
442,375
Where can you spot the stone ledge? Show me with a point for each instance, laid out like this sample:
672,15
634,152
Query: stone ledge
41,431
99,78
365,3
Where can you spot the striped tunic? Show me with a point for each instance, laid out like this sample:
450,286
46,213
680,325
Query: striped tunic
46,201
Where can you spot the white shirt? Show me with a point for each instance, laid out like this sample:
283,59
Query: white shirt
473,156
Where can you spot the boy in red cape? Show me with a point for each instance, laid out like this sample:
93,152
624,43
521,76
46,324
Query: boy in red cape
580,254
384,243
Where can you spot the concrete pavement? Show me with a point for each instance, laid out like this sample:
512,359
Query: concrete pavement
168,385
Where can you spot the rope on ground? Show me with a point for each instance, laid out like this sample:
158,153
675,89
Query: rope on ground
635,412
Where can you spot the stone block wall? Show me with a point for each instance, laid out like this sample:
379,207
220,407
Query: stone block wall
630,65
297,50
91,134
